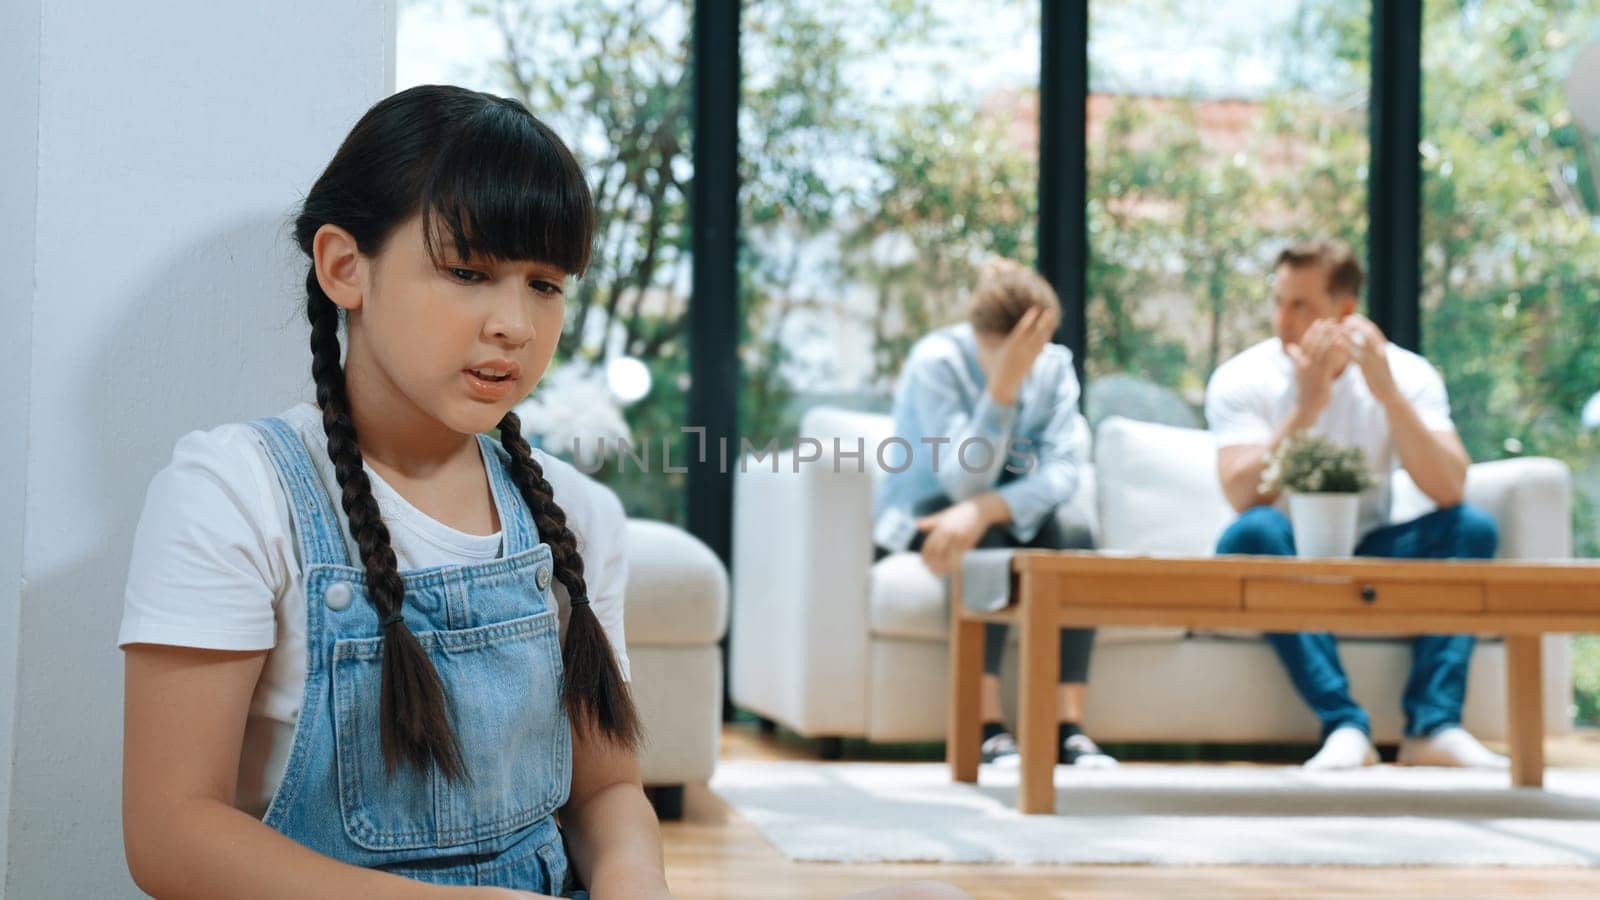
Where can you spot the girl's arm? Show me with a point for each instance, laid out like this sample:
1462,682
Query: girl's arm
183,726
611,828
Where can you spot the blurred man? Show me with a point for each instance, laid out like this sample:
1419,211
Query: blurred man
1330,371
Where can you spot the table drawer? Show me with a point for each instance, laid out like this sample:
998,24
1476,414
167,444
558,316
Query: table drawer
1146,591
1336,594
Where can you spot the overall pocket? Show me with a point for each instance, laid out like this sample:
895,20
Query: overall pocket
502,683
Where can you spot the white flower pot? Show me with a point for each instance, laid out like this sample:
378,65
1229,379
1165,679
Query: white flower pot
1324,524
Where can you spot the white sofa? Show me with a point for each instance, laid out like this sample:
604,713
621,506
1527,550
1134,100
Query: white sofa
831,645
676,615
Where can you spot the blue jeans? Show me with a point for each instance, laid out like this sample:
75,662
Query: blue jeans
1438,681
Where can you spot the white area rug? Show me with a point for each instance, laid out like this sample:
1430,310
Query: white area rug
1169,815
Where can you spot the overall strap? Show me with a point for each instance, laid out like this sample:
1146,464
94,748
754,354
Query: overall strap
316,521
516,519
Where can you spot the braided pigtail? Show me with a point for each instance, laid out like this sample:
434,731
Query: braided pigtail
416,727
487,180
597,699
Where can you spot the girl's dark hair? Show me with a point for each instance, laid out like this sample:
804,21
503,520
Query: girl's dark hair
483,173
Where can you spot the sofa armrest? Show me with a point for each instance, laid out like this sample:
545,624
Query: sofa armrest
1529,497
677,612
802,556
677,588
1531,500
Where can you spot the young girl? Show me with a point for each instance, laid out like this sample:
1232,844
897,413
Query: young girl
371,653
395,694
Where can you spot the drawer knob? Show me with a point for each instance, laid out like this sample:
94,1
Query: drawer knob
1369,594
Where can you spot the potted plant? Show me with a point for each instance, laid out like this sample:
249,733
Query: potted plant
1324,481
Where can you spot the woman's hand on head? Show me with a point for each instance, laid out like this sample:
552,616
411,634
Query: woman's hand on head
1021,347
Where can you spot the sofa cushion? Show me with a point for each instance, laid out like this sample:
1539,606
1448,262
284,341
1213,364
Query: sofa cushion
677,588
907,602
827,423
1158,489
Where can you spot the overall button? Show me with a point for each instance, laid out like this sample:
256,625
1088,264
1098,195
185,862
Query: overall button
337,596
542,577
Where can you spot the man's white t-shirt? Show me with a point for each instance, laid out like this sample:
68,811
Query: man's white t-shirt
1252,394
216,565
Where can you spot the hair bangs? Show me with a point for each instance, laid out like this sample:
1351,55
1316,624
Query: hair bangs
504,187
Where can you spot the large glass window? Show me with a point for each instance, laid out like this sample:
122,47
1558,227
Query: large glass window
1511,231
1511,247
1219,130
612,78
887,149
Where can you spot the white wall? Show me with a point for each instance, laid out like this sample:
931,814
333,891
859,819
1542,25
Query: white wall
172,142
19,168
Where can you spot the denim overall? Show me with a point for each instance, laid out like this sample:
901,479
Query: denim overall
491,631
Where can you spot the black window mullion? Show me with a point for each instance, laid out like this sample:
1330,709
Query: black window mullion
1063,166
1394,191
714,295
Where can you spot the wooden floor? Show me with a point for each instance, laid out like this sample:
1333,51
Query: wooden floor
713,853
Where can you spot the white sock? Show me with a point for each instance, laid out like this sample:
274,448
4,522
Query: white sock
1347,747
1452,746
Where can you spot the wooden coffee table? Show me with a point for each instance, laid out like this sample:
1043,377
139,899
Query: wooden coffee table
1066,589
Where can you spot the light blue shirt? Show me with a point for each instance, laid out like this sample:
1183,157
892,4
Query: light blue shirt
942,401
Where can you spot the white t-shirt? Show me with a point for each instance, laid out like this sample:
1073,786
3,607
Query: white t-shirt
1251,395
216,565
